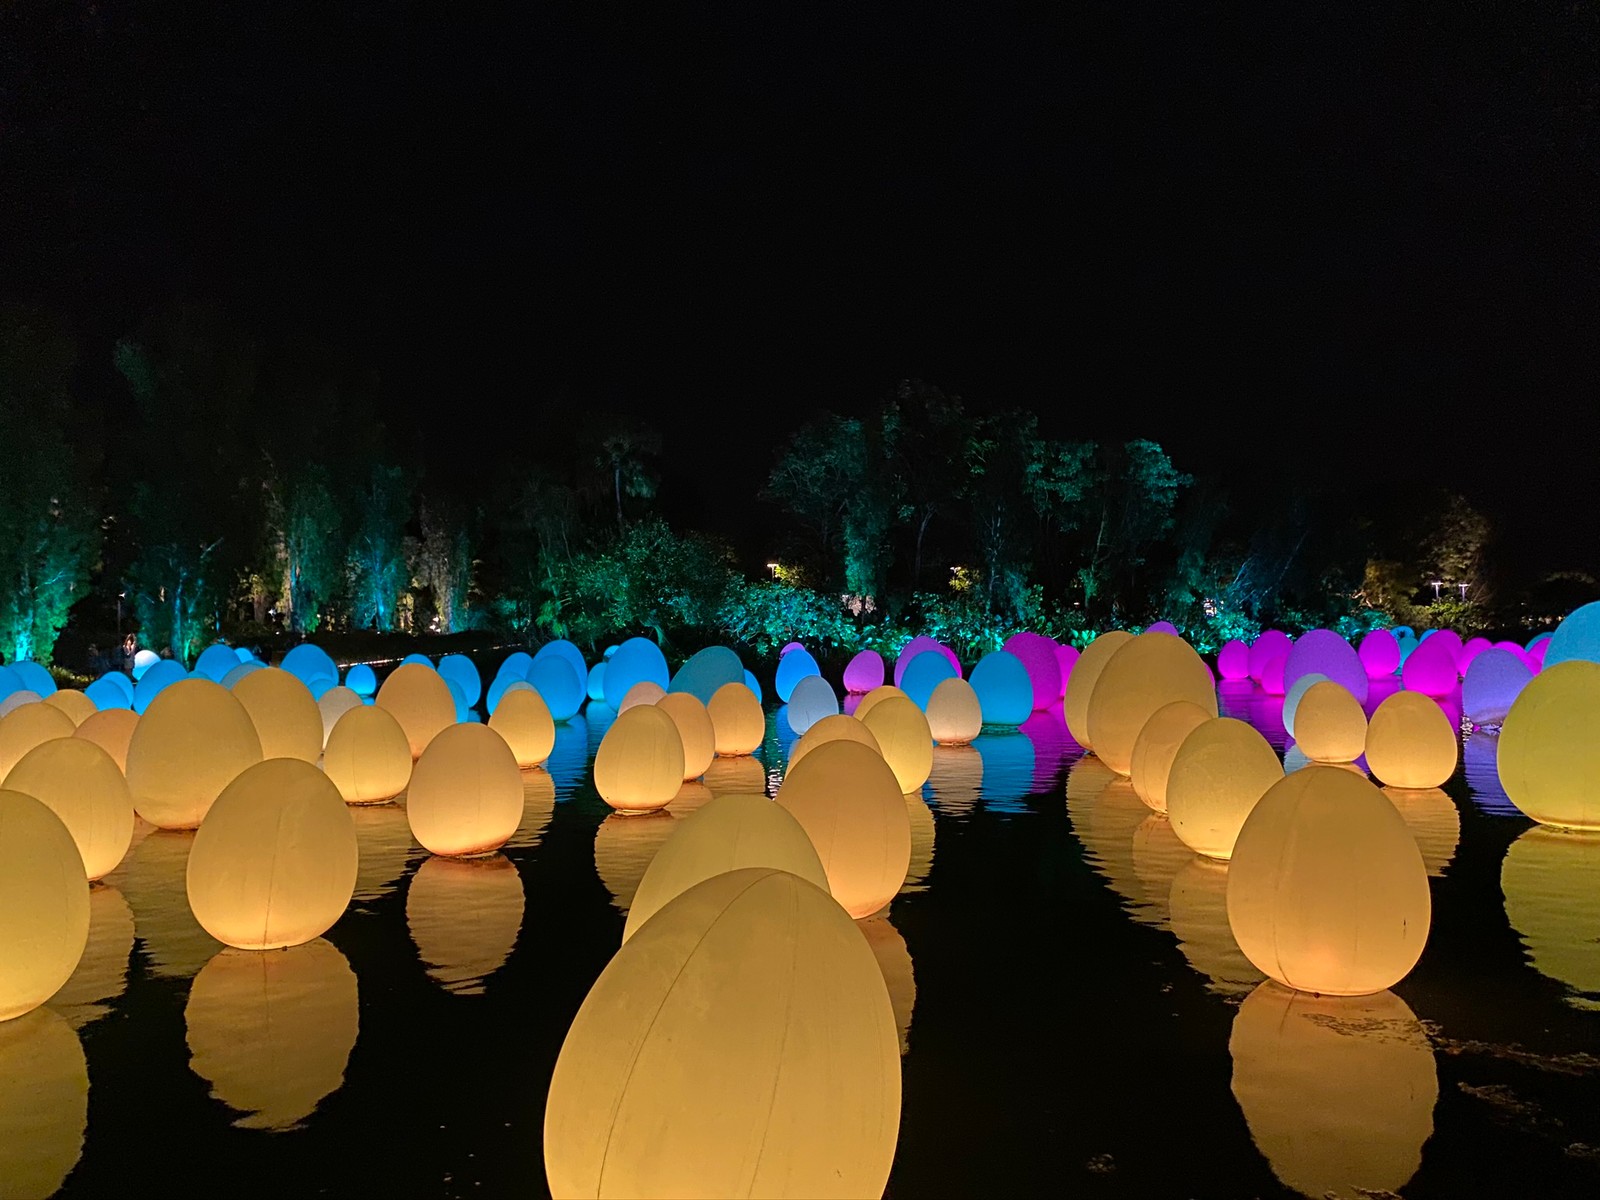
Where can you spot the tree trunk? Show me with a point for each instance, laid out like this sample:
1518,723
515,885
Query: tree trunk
616,481
922,529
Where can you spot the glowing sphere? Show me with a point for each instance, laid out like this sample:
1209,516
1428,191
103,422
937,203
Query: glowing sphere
636,660
309,661
1157,745
155,679
737,718
1292,698
27,726
239,672
1538,647
1519,654
1233,661
1323,652
194,741
368,757
1577,637
466,793
706,671
499,686
754,684
1219,773
111,730
811,700
111,690
1272,675
1326,888
596,685
34,677
1268,644
695,731
833,729
794,666
286,718
1379,654
1549,757
728,833
1469,651
1329,725
924,673
44,904
1410,743
1551,881
1085,675
1145,673
523,720
143,660
274,862
361,679
920,645
74,703
420,699
81,784
459,670
643,692
863,673
1431,669
1066,659
215,661
464,916
1495,678
905,740
332,705
954,714
560,648
1037,654
673,1059
876,696
1005,693
640,763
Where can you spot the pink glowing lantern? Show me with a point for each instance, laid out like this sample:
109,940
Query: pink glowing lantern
1266,647
1066,659
920,645
1431,668
1470,651
1272,674
1534,665
1037,654
1233,661
1379,654
1323,652
863,673
1163,627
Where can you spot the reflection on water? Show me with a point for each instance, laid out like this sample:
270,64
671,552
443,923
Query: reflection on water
1294,759
1198,903
741,776
1551,881
1234,699
1338,1091
1052,747
598,717
894,960
691,797
153,879
1480,764
624,846
538,806
1266,714
922,832
1434,822
568,764
956,781
1008,766
272,1030
383,836
464,915
44,1103
102,973
1133,848
1379,690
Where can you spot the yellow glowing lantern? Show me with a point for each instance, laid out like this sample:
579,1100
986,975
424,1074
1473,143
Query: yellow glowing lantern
673,1058
905,740
874,698
464,915
624,847
80,783
1219,773
274,862
420,700
466,792
272,1033
1410,743
737,719
1146,673
26,727
728,833
1085,675
1434,822
894,963
1157,745
838,727
74,703
1551,881
368,757
1326,890
1329,726
695,731
954,715
111,730
193,741
102,973
639,765
1549,757
847,800
286,718
523,719
1338,1091
643,692
332,705
44,1104
44,904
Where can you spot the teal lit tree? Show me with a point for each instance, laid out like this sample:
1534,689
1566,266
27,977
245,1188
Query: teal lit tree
376,562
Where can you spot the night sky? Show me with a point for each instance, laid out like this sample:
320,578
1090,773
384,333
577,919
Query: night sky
1286,238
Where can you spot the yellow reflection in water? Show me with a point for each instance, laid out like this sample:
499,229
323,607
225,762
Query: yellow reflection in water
1551,880
538,806
1338,1091
691,796
1133,848
1434,823
383,836
956,780
624,845
894,960
464,915
44,1103
922,834
153,880
744,776
102,973
271,1030
1198,903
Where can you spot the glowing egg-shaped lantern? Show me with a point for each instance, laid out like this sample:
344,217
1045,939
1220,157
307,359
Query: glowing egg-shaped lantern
754,684
274,862
309,661
905,740
1469,651
239,672
1327,891
596,685
1145,673
1157,745
1219,773
1323,652
1233,661
1292,697
560,648
1272,675
420,699
1037,654
1410,743
1379,654
643,692
143,660
728,833
954,713
362,680
195,739
1085,676
11,682
28,726
639,765
1005,693
34,677
1518,653
854,811
706,671
368,757
833,729
1431,670
460,670
1329,725
1538,647
1551,881
921,645
794,666
864,672
111,690
672,1058
332,705
286,718
1495,678
924,673
812,700
738,720
499,686
1268,644
215,661
417,660
18,699
636,660
111,730
1166,627
466,792
695,731
1549,759
1066,660
153,681
81,784
44,904
464,915
524,721
1576,638
78,707
1338,1091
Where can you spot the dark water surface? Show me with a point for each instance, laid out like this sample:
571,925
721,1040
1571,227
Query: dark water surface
1075,1015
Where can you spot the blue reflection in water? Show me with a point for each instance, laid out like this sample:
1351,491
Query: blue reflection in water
568,763
1480,763
599,716
1008,766
1053,745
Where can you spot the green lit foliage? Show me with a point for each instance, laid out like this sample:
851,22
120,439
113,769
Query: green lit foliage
442,566
376,563
817,476
769,613
624,453
924,438
1000,453
1135,489
309,554
540,528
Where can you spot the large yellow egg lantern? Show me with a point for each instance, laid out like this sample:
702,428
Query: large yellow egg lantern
368,757
1081,683
418,697
643,692
79,782
193,741
875,697
1219,773
954,714
111,730
905,740
695,731
1145,674
74,703
1329,726
1549,758
737,719
466,792
1410,743
832,729
25,727
639,765
1157,745
44,904
523,719
286,718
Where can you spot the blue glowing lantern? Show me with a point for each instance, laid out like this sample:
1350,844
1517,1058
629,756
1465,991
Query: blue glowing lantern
1578,637
811,700
754,684
1324,652
162,675
516,665
559,685
421,660
706,671
143,660
1495,678
916,646
215,661
460,670
10,682
561,648
637,660
34,677
498,687
362,680
1005,693
924,673
463,709
111,690
792,668
308,661
595,685
239,672
244,654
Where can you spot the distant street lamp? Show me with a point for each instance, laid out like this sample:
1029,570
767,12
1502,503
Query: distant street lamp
1437,584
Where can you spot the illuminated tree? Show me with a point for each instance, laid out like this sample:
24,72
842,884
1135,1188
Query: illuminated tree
1130,507
925,436
376,563
625,453
442,563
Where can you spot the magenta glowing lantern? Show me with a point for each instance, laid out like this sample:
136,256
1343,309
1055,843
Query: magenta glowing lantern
1267,646
1066,659
1379,654
1431,668
1323,652
1037,654
863,673
1272,674
1470,651
920,645
1163,627
1534,665
1493,681
1233,661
